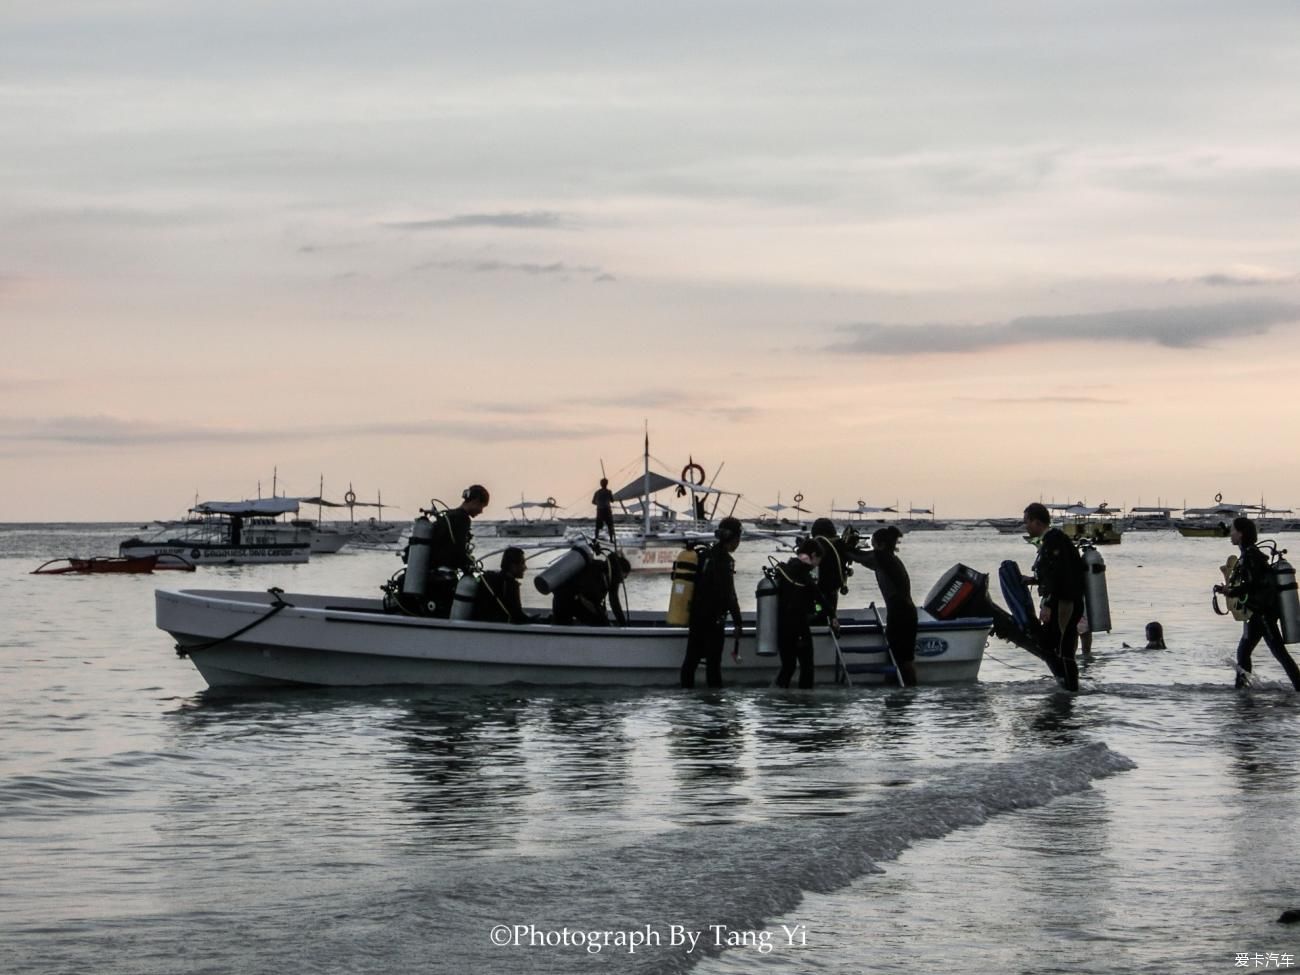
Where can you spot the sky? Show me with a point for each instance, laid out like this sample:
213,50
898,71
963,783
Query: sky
933,253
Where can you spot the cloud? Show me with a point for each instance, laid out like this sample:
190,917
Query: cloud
1174,328
533,268
1022,400
1247,278
107,431
528,220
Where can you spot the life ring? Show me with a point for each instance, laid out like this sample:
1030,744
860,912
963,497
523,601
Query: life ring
350,498
861,504
551,503
195,554
1218,498
798,498
686,472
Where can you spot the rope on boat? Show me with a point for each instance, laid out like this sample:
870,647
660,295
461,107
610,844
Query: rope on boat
277,604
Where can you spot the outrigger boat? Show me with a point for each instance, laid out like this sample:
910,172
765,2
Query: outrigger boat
267,639
113,565
225,533
526,527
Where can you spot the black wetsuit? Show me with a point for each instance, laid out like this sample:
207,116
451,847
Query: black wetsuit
796,604
603,499
714,598
581,601
833,573
1059,571
498,599
1253,583
900,612
450,552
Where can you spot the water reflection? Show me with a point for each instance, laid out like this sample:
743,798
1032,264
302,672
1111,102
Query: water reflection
706,745
586,749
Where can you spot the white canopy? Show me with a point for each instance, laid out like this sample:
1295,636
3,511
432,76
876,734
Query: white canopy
658,482
548,503
260,506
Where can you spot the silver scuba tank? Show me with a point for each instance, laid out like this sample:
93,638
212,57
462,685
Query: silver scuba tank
1288,600
462,605
416,580
1095,597
765,630
564,569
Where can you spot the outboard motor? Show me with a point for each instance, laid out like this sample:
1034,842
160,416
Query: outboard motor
1096,600
685,566
564,569
765,630
418,554
960,592
462,605
1288,600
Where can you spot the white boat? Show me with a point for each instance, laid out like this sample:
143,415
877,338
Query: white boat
523,526
225,533
1101,525
260,639
1150,519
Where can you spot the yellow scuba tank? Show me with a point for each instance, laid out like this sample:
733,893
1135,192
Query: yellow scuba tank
685,566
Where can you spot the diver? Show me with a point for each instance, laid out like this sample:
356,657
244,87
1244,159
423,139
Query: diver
834,571
1155,634
498,599
451,548
1253,583
713,600
797,604
896,588
1058,572
581,600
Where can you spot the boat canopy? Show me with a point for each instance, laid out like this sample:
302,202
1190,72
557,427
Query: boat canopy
522,505
865,509
1223,508
248,509
656,482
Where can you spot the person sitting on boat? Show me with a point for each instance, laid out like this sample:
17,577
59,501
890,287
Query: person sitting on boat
1253,582
581,600
1059,573
451,550
796,605
713,600
498,598
603,499
896,588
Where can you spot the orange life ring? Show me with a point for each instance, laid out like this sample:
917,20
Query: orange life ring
686,471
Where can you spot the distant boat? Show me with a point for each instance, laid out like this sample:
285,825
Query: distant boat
1213,522
525,527
1149,519
225,533
1101,525
112,565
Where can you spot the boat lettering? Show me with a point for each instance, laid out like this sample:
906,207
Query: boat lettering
931,646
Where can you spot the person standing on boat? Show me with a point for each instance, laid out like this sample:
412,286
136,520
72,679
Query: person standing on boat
603,499
498,599
796,605
896,589
451,550
1253,583
712,602
1058,573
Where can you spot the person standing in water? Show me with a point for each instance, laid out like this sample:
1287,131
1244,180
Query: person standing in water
896,588
1252,582
797,604
1058,573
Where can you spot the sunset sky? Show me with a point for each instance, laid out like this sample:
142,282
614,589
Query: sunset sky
967,255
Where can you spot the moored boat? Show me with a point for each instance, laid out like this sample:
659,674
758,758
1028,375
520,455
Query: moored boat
225,533
113,565
260,639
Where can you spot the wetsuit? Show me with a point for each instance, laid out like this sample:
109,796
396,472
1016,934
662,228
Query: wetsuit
1253,583
796,604
498,599
450,552
581,601
833,573
900,612
603,499
1059,572
714,598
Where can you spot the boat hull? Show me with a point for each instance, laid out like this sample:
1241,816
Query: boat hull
204,553
348,642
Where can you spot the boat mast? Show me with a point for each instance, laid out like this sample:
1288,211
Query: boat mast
645,500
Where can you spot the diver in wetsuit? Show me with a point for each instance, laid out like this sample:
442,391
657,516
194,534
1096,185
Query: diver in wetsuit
1058,572
581,600
451,548
498,598
796,602
834,571
713,600
896,588
1252,582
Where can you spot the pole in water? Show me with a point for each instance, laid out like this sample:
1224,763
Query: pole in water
839,658
888,649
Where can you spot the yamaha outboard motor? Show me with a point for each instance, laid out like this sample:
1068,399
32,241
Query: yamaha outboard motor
960,592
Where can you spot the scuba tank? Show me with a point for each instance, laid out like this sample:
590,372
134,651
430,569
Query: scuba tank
1288,601
765,630
462,606
564,569
1096,600
685,566
416,581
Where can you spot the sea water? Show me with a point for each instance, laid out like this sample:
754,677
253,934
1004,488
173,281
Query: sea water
1146,824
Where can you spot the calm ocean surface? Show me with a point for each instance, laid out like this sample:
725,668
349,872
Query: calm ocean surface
1147,824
